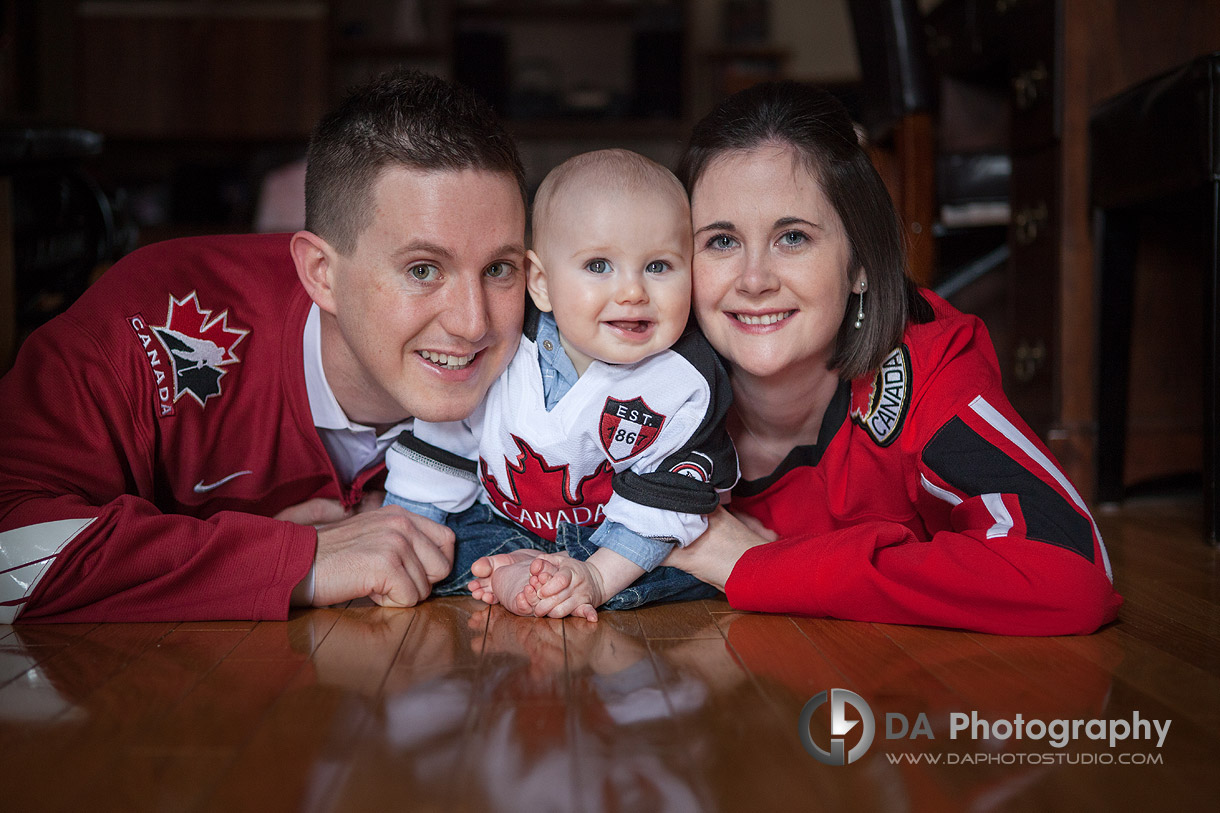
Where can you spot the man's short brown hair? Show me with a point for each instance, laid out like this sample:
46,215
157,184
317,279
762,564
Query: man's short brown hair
401,118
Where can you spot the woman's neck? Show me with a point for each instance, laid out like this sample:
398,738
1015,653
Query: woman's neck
772,416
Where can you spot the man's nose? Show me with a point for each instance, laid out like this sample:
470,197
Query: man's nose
466,313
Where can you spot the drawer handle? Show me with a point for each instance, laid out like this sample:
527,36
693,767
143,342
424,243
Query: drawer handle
1030,359
1028,222
1028,86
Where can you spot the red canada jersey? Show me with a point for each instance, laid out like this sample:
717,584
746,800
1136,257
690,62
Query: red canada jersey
149,433
927,500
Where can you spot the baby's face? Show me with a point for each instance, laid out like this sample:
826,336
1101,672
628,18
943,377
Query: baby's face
617,274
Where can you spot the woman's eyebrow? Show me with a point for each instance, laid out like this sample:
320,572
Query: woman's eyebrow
792,221
719,225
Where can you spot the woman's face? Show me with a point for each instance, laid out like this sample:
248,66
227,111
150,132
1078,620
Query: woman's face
770,268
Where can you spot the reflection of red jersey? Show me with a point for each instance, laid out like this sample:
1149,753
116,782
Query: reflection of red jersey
927,500
148,434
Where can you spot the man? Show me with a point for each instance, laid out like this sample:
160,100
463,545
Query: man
169,443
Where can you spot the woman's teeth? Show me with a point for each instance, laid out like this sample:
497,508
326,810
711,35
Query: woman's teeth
768,319
448,362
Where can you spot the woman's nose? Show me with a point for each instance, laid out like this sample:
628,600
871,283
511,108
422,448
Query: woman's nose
756,276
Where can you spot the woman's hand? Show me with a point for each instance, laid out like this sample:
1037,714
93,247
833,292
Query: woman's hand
712,557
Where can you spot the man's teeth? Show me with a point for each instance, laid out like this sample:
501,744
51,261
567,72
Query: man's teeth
768,319
449,362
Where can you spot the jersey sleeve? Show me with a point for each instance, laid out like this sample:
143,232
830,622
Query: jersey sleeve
669,492
81,538
1011,546
434,464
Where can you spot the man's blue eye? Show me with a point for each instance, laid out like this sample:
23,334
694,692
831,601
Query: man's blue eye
424,272
598,266
497,270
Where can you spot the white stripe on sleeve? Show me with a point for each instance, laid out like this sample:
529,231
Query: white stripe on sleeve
25,555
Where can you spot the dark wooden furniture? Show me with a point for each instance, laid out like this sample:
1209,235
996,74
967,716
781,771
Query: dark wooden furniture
1155,148
1050,62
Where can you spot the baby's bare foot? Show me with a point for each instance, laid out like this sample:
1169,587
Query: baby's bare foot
489,587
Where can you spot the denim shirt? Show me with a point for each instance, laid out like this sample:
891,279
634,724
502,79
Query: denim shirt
558,377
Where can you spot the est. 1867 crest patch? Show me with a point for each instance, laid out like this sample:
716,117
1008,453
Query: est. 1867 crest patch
198,348
888,400
628,427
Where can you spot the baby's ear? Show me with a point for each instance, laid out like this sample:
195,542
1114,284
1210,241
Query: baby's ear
535,281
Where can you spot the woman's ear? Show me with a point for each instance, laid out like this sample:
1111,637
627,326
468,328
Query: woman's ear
315,262
535,281
861,283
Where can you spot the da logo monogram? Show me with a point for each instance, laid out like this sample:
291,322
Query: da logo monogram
838,754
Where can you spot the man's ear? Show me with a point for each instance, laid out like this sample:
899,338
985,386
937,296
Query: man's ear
315,262
535,281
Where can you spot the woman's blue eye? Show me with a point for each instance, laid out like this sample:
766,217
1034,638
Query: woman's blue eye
424,272
722,242
793,238
657,267
598,266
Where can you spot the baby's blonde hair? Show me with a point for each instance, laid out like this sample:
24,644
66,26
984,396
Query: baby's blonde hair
615,170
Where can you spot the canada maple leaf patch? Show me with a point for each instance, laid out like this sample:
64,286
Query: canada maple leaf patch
200,347
539,496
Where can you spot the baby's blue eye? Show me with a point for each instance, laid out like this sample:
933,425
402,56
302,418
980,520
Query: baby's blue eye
657,267
424,272
598,266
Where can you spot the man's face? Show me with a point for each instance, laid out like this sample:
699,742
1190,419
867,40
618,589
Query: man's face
429,305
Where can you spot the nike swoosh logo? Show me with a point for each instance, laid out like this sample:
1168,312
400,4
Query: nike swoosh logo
200,488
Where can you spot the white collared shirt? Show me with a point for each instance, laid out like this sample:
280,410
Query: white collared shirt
352,447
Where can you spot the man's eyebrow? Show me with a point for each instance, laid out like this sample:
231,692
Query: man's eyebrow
514,249
439,251
719,225
422,247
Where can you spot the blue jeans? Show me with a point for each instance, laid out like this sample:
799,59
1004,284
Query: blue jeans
481,532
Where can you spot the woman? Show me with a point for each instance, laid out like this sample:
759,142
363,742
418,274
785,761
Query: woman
877,448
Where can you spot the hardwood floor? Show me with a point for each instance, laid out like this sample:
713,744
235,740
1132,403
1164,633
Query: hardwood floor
452,706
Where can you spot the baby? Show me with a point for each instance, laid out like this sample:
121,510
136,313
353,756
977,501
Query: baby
611,414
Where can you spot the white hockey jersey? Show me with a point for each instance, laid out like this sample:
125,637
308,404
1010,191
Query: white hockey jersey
640,444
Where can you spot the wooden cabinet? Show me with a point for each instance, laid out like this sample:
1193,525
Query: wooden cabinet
201,69
589,69
1052,61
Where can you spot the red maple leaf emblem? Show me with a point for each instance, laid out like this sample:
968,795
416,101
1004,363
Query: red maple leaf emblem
188,318
200,347
539,496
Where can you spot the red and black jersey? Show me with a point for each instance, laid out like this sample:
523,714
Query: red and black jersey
149,433
927,500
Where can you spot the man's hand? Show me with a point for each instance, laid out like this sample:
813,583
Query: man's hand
388,554
322,511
